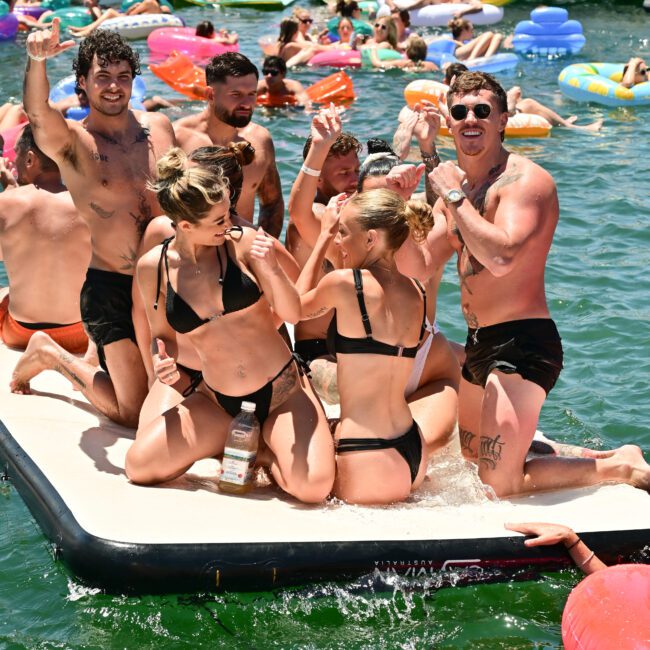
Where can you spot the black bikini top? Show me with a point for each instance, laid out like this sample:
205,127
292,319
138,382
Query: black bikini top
238,292
346,345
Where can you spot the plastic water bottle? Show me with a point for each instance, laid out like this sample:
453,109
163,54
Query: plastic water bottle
240,451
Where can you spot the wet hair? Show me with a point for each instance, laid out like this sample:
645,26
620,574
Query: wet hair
229,64
342,146
288,29
347,7
416,49
403,14
27,143
470,82
229,161
458,26
276,62
381,159
386,210
454,70
205,28
109,47
391,30
188,192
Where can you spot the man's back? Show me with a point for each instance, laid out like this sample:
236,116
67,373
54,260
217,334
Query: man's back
46,250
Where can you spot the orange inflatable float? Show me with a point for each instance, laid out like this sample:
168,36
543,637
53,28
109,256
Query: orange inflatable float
180,73
609,609
521,125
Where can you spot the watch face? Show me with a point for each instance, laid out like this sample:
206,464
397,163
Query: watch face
454,195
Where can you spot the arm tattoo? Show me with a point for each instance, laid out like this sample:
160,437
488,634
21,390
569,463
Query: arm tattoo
490,451
316,314
431,161
100,212
271,212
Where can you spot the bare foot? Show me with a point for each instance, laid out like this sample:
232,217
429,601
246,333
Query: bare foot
593,127
632,466
31,363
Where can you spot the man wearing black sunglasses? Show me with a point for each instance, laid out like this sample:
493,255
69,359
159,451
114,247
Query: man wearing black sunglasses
274,89
231,95
498,211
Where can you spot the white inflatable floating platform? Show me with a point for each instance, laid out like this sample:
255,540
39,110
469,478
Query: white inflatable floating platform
67,463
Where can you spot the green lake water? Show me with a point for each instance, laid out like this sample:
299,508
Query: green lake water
598,290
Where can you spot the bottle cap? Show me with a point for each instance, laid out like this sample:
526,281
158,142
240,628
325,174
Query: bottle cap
248,406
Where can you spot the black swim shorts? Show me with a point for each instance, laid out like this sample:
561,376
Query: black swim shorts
106,305
531,348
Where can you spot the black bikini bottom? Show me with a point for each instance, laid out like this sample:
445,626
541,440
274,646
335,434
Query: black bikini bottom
262,397
409,446
310,349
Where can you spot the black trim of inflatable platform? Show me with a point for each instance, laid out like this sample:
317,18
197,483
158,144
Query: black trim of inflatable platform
119,567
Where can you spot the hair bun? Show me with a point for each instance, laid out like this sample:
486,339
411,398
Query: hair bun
243,151
377,145
171,167
419,217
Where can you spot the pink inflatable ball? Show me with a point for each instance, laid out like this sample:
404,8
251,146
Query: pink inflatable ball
165,40
609,609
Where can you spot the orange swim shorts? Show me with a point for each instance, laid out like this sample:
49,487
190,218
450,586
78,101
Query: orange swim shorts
70,337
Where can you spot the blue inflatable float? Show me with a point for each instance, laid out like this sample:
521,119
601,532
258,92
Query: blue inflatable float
441,51
65,88
549,32
599,83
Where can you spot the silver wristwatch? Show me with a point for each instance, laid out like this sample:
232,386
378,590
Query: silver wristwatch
454,196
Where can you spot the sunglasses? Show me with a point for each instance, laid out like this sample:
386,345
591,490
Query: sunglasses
460,111
273,73
380,26
306,21
643,70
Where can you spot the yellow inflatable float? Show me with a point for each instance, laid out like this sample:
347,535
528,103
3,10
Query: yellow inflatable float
521,125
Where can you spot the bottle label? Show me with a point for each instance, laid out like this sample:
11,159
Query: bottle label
237,466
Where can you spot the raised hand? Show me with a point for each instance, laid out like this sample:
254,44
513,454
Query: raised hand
329,220
7,173
446,176
45,44
263,250
404,179
428,124
326,126
164,366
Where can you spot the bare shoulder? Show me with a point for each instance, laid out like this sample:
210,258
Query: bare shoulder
257,135
148,263
528,175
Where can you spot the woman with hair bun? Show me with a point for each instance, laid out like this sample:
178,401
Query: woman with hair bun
378,325
220,286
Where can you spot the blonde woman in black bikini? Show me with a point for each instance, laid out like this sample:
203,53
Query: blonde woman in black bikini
221,286
378,325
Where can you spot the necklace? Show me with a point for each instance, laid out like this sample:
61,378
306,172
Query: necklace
197,267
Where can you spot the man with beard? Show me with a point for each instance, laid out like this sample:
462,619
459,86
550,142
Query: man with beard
331,167
231,94
498,211
105,163
45,246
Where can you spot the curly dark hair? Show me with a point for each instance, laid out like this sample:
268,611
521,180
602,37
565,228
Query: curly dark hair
109,47
342,146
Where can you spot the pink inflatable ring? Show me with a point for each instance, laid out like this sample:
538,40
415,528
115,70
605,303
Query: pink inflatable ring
165,40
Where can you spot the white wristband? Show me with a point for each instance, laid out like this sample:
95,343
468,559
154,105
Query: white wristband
36,57
310,172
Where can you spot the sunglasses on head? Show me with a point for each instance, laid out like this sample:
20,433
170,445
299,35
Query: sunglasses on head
460,111
270,71
306,21
380,26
